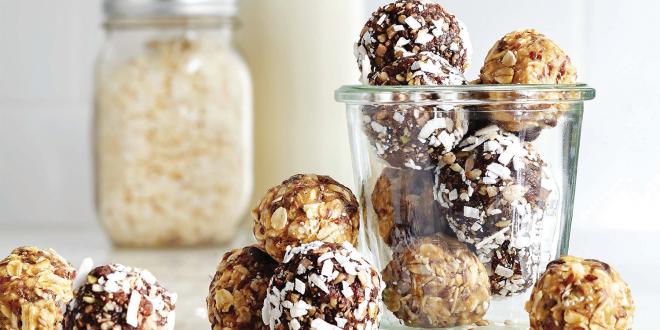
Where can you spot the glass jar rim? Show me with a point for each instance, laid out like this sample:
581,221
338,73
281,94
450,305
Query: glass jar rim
466,94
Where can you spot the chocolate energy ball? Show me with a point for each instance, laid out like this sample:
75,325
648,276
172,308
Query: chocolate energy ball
324,286
491,188
436,282
239,288
425,68
408,27
413,136
527,57
303,209
404,205
35,286
119,297
576,293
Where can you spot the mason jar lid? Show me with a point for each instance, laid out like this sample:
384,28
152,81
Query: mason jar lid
466,95
168,8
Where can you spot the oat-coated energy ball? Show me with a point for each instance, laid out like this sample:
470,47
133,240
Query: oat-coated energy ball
436,281
303,209
492,190
408,27
576,293
119,297
404,205
324,286
35,286
527,57
413,136
424,68
237,293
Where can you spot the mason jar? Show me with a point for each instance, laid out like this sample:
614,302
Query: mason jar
172,125
466,195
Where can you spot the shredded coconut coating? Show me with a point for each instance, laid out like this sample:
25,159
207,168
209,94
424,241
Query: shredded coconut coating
527,57
436,282
413,136
119,297
407,27
576,293
324,286
303,209
237,292
492,188
421,69
171,149
404,205
35,286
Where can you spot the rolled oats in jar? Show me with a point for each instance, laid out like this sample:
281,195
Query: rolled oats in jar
173,124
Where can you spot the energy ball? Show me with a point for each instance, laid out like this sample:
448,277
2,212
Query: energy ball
413,136
527,57
239,289
407,27
324,286
119,297
576,293
404,205
493,193
436,282
303,209
424,68
35,286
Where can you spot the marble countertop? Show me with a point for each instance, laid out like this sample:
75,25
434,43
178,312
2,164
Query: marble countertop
189,271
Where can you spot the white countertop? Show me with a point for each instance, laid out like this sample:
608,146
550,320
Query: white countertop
189,271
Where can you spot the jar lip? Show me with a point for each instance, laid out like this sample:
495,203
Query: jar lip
466,94
115,9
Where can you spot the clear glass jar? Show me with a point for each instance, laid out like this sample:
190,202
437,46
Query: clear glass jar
173,124
466,194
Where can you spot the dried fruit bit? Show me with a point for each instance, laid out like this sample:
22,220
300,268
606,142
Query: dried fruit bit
576,293
303,209
35,286
239,288
119,297
324,286
436,282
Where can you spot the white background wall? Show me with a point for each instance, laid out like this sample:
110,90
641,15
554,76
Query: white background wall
47,50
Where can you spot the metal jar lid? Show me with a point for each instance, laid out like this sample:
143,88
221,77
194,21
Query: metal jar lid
168,8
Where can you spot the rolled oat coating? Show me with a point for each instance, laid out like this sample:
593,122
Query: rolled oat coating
527,57
324,286
238,289
119,297
408,27
404,205
576,293
35,286
493,190
413,136
436,282
424,68
305,208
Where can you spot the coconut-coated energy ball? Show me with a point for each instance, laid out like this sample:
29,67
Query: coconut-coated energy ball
576,293
413,136
35,286
435,282
119,297
324,286
425,68
404,205
407,27
303,209
491,188
237,292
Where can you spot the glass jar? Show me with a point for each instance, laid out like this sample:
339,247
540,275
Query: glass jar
173,124
466,194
